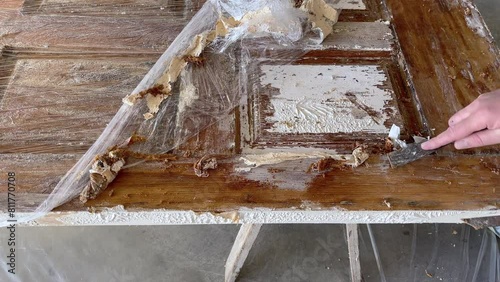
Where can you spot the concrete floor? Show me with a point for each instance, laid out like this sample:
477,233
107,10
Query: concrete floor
281,252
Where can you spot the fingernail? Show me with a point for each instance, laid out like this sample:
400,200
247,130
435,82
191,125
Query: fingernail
425,145
461,144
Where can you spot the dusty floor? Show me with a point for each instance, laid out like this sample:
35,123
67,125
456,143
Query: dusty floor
281,253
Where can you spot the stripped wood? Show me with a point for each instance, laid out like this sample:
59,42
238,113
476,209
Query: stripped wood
96,33
139,7
91,32
61,105
123,8
239,252
353,247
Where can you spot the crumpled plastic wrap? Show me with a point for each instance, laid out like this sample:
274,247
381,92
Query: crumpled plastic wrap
198,80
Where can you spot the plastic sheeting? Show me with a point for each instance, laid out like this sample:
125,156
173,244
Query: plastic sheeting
409,253
177,99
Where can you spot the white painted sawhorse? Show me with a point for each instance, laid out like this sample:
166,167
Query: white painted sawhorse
248,233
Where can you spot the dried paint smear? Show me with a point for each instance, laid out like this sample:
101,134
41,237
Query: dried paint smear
328,99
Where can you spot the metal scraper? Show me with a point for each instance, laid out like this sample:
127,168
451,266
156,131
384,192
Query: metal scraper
411,153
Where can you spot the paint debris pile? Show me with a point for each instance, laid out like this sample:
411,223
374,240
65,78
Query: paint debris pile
202,166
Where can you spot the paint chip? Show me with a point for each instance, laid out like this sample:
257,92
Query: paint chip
202,166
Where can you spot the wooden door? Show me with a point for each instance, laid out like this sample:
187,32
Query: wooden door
66,65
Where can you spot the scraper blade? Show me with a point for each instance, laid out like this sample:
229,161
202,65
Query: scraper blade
411,153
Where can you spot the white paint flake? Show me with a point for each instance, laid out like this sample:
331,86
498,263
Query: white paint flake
475,21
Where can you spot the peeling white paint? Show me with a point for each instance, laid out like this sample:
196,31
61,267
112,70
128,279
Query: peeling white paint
322,17
279,157
475,21
254,158
312,99
120,216
262,164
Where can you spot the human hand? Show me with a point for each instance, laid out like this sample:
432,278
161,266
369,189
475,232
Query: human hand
476,125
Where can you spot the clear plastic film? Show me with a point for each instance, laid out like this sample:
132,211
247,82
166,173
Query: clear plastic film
198,80
303,252
428,252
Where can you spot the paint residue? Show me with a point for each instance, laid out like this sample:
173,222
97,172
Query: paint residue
269,158
255,158
120,216
312,99
474,20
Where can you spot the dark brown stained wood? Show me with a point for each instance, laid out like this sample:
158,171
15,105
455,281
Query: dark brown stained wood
433,183
450,63
63,73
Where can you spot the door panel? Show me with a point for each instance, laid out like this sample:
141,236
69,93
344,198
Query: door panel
66,65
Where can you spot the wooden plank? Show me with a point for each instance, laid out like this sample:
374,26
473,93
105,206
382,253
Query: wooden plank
61,105
433,183
353,247
456,60
139,7
36,176
360,36
239,252
137,34
91,32
123,8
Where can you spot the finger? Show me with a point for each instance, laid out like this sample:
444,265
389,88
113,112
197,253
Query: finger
479,139
462,114
456,132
